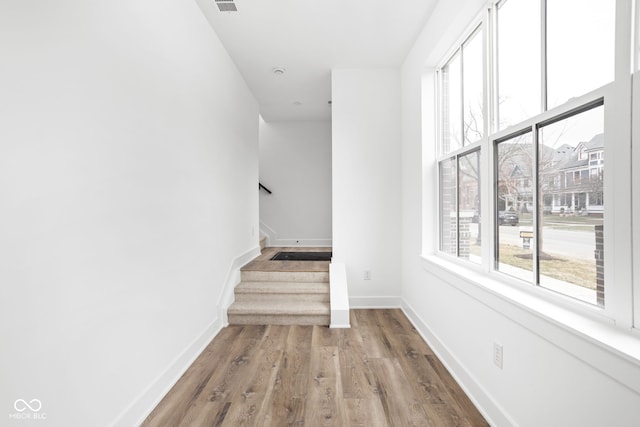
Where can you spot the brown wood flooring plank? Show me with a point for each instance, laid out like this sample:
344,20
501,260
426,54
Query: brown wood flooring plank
401,405
248,408
286,403
411,352
358,381
455,391
378,373
170,411
325,403
260,391
365,413
324,337
222,389
396,322
374,342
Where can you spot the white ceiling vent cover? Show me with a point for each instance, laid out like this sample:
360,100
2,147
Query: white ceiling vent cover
226,6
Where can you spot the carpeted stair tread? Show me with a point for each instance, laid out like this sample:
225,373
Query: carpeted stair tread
285,276
283,287
281,292
276,319
311,308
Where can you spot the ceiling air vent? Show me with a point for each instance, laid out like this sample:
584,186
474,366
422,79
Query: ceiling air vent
226,6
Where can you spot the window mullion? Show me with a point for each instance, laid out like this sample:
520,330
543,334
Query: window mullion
495,253
457,205
462,135
536,205
491,68
543,54
486,153
636,200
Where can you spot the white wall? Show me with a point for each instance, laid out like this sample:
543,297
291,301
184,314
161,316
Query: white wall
366,180
295,164
552,375
128,172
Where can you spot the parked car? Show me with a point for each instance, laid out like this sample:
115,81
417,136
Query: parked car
508,218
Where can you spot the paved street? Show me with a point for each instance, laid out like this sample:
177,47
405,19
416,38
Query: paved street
579,244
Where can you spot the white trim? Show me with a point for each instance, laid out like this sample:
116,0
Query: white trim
141,407
231,281
635,45
618,222
466,35
606,347
458,152
430,111
303,243
635,191
339,296
488,407
567,107
375,302
273,240
267,231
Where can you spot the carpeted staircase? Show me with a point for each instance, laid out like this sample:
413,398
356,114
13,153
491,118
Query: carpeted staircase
282,292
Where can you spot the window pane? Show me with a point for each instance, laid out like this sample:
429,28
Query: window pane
452,105
519,87
571,170
469,203
448,208
514,206
580,47
473,88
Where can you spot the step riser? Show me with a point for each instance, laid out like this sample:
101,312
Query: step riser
281,298
299,296
282,276
262,319
282,288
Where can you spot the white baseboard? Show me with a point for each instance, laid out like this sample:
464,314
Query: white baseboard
375,302
492,412
231,280
273,240
142,406
268,232
303,243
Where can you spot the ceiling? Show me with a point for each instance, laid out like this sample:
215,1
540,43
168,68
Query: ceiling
308,38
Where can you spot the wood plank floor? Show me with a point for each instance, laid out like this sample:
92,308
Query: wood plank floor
264,263
378,373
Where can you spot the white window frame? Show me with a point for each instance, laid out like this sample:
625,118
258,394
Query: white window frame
619,308
479,27
635,141
532,125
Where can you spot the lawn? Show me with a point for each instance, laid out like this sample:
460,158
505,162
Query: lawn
571,270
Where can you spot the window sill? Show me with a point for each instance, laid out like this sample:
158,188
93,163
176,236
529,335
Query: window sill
588,338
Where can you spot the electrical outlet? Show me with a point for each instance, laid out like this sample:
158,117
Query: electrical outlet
497,355
367,275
